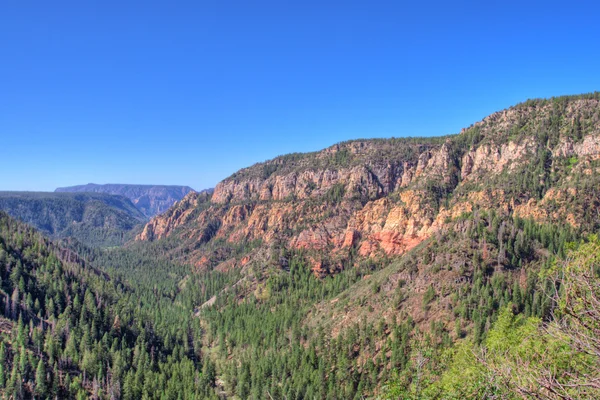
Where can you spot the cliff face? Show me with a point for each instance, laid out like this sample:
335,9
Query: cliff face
365,169
151,200
177,215
375,198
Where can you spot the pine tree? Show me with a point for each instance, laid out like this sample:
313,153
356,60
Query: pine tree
23,362
2,364
41,386
516,295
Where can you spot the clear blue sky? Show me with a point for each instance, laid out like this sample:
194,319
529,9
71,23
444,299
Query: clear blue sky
187,93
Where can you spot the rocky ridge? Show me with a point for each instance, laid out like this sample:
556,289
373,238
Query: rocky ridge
381,198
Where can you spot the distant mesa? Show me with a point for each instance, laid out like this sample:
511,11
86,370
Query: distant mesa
151,200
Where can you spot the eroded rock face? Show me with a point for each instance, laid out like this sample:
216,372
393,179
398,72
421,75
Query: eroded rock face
303,185
393,228
351,237
554,206
589,146
370,181
179,214
377,198
493,159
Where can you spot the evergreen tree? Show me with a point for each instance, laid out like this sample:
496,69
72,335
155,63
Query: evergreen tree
41,387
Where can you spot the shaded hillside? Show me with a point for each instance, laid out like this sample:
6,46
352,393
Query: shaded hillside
151,200
70,331
93,218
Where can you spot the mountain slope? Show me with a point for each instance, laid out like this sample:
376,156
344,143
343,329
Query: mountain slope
92,218
151,200
353,262
383,197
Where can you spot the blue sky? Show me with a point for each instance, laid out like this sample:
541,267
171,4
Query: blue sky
189,92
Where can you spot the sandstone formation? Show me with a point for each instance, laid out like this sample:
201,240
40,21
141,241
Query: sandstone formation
381,198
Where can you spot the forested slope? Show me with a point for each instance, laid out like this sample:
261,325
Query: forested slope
151,200
71,331
360,265
95,219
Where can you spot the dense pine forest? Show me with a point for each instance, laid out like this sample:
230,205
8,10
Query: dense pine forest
71,331
460,267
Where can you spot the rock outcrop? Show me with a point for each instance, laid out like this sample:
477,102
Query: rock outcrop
176,216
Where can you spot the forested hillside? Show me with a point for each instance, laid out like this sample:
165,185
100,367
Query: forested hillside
457,267
95,219
358,261
524,356
151,200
